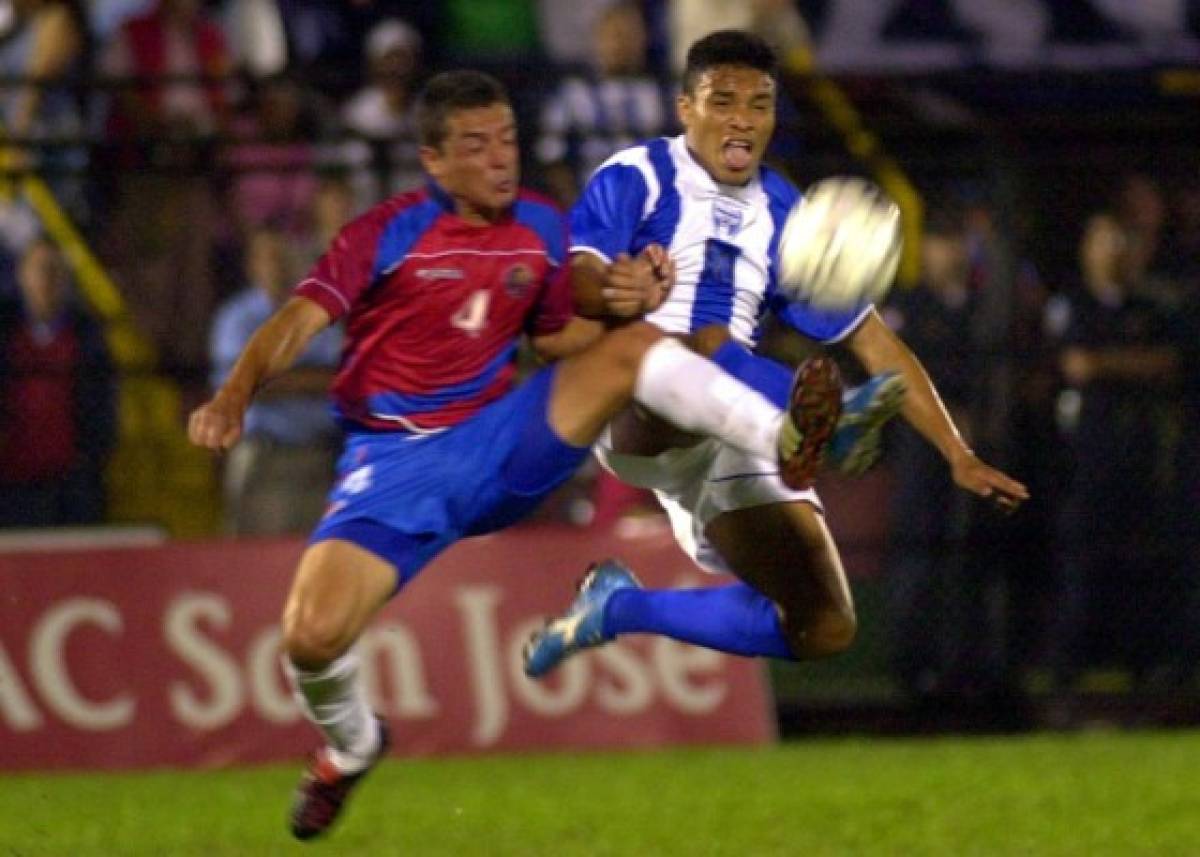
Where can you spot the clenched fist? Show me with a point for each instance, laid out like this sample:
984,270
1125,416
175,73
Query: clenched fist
217,424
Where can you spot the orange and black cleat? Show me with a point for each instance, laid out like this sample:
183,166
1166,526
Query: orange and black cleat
814,406
324,789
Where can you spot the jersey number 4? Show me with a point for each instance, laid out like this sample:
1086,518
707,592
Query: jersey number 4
471,317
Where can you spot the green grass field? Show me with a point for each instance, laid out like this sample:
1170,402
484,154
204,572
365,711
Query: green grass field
1087,794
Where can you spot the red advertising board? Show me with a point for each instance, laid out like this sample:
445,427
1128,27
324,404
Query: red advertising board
137,657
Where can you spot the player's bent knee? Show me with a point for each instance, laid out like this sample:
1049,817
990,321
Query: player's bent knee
313,643
630,343
708,340
831,632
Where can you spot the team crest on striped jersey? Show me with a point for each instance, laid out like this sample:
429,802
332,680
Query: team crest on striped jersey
727,217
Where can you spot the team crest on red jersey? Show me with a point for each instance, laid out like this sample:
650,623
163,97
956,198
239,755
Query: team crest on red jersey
518,279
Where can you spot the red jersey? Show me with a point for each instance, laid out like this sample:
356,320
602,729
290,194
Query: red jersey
435,306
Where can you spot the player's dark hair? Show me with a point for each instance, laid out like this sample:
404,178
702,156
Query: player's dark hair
728,47
448,92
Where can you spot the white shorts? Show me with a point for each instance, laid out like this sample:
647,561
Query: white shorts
697,483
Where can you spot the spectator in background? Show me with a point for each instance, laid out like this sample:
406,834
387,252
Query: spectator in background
1187,469
333,207
1012,403
57,401
160,233
559,25
257,37
176,40
386,161
1183,264
327,40
930,519
613,106
960,597
1117,363
48,46
1142,213
777,21
273,164
277,477
106,18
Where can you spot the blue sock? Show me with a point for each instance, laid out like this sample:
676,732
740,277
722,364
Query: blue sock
736,619
773,380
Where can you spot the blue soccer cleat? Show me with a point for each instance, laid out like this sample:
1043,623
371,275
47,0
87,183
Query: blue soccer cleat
582,626
858,441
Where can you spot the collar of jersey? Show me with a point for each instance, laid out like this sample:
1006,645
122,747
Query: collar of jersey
693,179
446,202
438,194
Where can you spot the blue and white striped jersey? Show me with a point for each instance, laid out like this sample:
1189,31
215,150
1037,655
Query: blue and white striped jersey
724,239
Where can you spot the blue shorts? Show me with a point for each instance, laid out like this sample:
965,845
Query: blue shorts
407,497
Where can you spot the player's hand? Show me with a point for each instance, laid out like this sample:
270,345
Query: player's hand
636,286
662,267
217,424
1001,490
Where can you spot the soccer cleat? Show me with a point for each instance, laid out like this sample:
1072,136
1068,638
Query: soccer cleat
814,405
582,626
324,789
858,441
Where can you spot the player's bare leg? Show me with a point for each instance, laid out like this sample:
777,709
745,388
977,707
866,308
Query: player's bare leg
638,362
590,388
338,587
786,552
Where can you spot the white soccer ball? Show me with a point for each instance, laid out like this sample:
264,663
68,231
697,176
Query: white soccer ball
840,245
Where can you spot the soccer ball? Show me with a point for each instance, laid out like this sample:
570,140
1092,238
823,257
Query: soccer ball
840,245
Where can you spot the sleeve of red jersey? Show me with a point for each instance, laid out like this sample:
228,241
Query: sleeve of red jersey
346,269
555,305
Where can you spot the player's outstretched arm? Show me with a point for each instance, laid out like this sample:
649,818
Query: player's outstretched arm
627,287
274,347
880,350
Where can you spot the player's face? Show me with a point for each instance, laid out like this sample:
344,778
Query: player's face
728,120
477,162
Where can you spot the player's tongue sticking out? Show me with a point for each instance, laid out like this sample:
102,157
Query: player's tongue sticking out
736,155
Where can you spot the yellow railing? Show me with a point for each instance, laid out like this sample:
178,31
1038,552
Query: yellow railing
155,475
840,112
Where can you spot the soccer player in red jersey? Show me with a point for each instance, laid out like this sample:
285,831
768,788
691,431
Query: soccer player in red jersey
435,288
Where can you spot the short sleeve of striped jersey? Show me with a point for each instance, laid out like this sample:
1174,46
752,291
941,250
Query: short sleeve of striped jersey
821,325
609,211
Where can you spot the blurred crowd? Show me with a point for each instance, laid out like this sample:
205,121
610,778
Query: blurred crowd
209,151
1086,389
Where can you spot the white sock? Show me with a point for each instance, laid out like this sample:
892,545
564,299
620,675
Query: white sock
335,700
699,396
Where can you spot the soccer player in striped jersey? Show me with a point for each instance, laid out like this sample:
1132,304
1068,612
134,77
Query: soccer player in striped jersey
705,197
435,288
